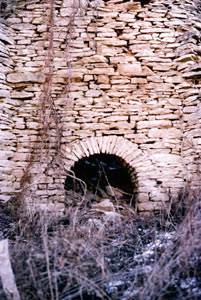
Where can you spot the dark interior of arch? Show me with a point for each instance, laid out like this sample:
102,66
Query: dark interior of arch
105,176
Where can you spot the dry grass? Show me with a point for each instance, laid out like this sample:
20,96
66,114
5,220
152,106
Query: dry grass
84,256
177,274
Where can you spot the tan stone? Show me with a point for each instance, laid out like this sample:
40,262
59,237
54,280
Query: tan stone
168,133
154,123
111,41
94,59
103,79
25,77
102,71
133,69
21,95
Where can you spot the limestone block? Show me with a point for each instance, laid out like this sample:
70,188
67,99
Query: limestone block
88,77
146,52
192,75
93,93
103,79
107,34
90,148
122,59
121,125
150,206
133,6
119,80
6,164
5,39
84,148
162,67
25,77
165,159
42,28
95,145
5,198
129,35
71,125
174,79
115,118
5,154
155,30
108,51
169,40
5,135
94,126
143,197
77,150
107,14
146,71
126,17
176,183
154,123
138,80
2,76
165,133
105,86
157,195
38,20
102,71
93,59
14,20
21,157
4,93
133,69
21,95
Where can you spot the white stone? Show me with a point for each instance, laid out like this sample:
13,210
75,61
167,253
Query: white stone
132,70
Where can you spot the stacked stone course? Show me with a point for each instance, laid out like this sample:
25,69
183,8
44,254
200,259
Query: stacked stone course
7,111
125,81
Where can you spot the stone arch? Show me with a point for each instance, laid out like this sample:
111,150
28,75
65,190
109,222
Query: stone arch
139,164
118,146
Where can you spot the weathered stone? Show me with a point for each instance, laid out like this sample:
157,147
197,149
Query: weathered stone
5,39
103,79
192,75
104,206
21,95
187,57
133,69
170,133
26,77
151,206
154,123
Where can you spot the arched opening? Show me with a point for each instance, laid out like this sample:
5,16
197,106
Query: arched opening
102,176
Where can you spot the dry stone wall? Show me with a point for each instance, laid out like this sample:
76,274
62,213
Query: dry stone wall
7,112
113,77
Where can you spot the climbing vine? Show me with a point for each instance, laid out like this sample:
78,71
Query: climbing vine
50,132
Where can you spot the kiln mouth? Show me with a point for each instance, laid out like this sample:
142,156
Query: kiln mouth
103,176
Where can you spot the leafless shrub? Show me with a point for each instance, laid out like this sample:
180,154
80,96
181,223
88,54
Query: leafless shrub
83,256
177,273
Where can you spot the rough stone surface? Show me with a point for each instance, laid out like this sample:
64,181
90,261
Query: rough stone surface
117,78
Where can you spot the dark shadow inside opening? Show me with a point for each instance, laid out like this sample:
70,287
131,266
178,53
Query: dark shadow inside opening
103,176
